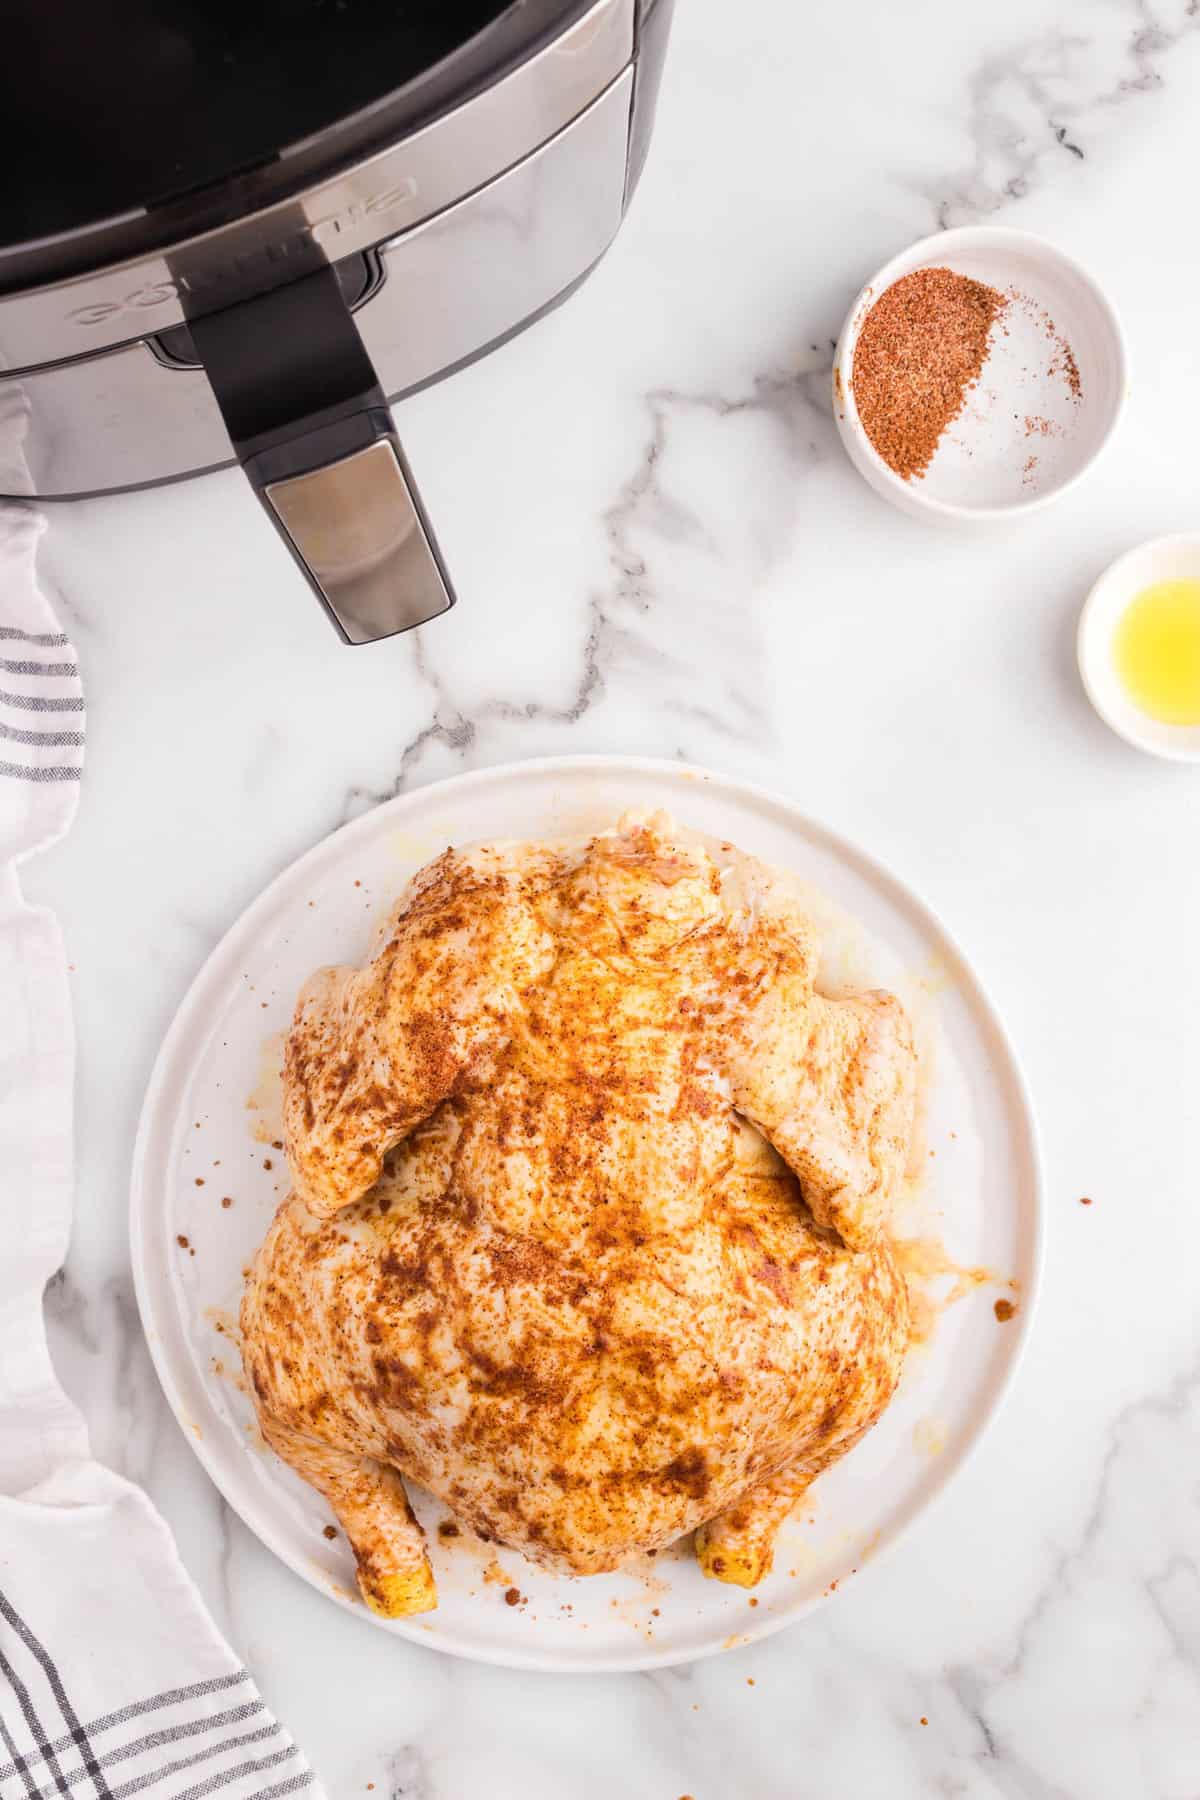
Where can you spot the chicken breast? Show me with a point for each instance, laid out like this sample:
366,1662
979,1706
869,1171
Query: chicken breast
538,1258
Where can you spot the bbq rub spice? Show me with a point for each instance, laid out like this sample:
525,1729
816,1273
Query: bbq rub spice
918,354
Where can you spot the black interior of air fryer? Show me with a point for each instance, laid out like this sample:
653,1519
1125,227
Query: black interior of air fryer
128,104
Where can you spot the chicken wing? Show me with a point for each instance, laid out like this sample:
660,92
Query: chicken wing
832,1084
372,1052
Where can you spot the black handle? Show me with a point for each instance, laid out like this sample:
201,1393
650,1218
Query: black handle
312,430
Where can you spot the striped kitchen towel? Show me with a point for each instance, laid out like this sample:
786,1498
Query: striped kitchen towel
114,1681
41,701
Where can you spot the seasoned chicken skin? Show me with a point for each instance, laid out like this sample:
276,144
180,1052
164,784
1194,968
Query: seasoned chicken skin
373,1051
588,1234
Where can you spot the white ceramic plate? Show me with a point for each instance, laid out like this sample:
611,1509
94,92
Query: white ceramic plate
201,1143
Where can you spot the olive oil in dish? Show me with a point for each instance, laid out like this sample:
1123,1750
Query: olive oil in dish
1156,650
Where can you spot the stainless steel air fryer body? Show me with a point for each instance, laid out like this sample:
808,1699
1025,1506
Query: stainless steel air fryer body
275,313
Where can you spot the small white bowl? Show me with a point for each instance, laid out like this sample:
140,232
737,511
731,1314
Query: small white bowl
1022,437
1164,559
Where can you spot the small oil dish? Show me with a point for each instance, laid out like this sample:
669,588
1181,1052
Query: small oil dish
1139,647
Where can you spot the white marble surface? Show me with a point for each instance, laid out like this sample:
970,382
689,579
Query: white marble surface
660,548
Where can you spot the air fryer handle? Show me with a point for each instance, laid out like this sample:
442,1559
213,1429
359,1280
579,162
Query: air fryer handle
313,432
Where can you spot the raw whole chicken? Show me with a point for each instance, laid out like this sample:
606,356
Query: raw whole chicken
588,1234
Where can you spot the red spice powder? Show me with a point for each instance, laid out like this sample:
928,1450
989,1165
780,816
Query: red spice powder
1070,369
918,354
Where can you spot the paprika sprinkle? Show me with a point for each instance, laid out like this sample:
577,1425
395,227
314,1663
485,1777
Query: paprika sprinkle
918,354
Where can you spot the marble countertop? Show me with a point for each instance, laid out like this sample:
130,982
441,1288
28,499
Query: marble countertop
661,548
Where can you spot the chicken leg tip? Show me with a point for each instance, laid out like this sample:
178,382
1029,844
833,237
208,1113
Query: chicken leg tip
400,1595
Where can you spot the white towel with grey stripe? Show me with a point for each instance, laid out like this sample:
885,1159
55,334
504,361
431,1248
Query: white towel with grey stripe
114,1681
